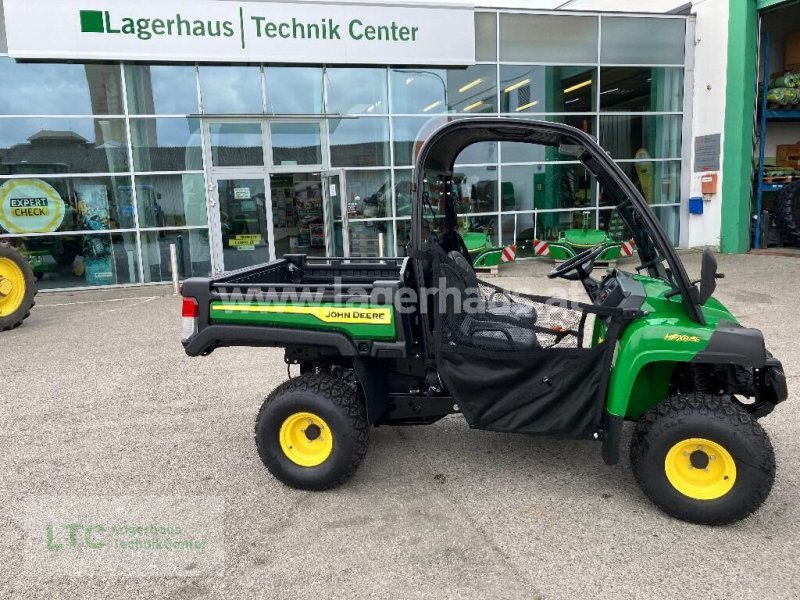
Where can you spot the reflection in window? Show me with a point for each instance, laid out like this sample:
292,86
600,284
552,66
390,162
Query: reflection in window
517,152
537,89
236,144
171,200
482,152
93,259
547,186
59,89
641,137
475,189
419,91
478,233
369,194
90,203
296,144
356,91
403,236
294,90
645,40
670,221
62,145
364,238
161,89
409,134
642,89
166,144
359,142
659,182
551,225
485,36
548,38
193,254
230,90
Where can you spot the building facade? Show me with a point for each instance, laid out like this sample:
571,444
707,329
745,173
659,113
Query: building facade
106,162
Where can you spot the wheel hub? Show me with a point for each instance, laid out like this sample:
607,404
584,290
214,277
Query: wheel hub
306,439
12,286
701,469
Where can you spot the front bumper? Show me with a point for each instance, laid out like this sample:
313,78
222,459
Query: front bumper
770,387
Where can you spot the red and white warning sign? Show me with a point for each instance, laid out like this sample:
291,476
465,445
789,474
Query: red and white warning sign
627,248
509,254
540,248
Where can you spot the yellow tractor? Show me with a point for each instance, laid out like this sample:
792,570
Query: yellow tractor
17,287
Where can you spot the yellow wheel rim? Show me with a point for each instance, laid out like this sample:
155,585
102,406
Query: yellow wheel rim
700,469
306,439
12,287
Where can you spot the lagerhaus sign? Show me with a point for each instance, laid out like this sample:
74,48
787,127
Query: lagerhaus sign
220,31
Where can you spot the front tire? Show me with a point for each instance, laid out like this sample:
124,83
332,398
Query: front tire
312,432
703,459
17,288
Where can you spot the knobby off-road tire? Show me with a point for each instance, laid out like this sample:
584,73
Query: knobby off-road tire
787,213
17,279
312,431
702,459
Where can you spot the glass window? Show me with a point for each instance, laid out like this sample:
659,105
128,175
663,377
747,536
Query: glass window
547,186
550,225
516,152
59,89
659,182
93,259
231,89
170,200
77,203
476,154
294,90
403,236
420,91
538,89
166,144
548,38
485,36
364,238
642,40
646,89
409,134
671,222
641,137
476,189
161,89
369,194
403,191
357,91
479,232
236,144
362,142
296,144
194,257
62,145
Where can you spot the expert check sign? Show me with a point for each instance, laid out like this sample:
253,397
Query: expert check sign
210,30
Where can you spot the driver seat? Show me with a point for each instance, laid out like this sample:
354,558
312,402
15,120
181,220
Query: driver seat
496,325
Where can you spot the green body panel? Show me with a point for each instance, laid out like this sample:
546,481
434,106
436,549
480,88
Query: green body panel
584,238
475,241
610,253
363,331
560,251
488,258
651,346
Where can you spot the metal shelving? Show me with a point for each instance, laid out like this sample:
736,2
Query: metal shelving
765,116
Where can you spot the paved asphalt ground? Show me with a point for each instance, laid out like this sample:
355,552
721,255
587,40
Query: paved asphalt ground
98,398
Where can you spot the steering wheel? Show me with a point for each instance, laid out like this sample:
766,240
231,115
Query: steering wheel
577,264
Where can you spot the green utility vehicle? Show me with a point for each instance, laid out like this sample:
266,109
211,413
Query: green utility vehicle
406,341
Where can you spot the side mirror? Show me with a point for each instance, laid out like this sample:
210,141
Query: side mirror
708,276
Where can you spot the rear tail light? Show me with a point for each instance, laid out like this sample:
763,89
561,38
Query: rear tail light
189,312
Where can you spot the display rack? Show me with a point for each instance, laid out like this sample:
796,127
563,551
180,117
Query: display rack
765,116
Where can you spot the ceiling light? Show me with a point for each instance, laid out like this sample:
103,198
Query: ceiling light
514,86
616,89
473,105
431,106
409,80
578,86
470,85
528,105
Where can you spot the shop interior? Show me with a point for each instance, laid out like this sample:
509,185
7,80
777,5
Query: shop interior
297,216
776,205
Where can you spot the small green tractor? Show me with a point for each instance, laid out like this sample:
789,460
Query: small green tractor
408,341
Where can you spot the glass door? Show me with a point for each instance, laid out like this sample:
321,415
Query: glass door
245,221
335,214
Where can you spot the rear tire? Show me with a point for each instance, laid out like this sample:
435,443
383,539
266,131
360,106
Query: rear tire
702,459
787,213
312,432
17,288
